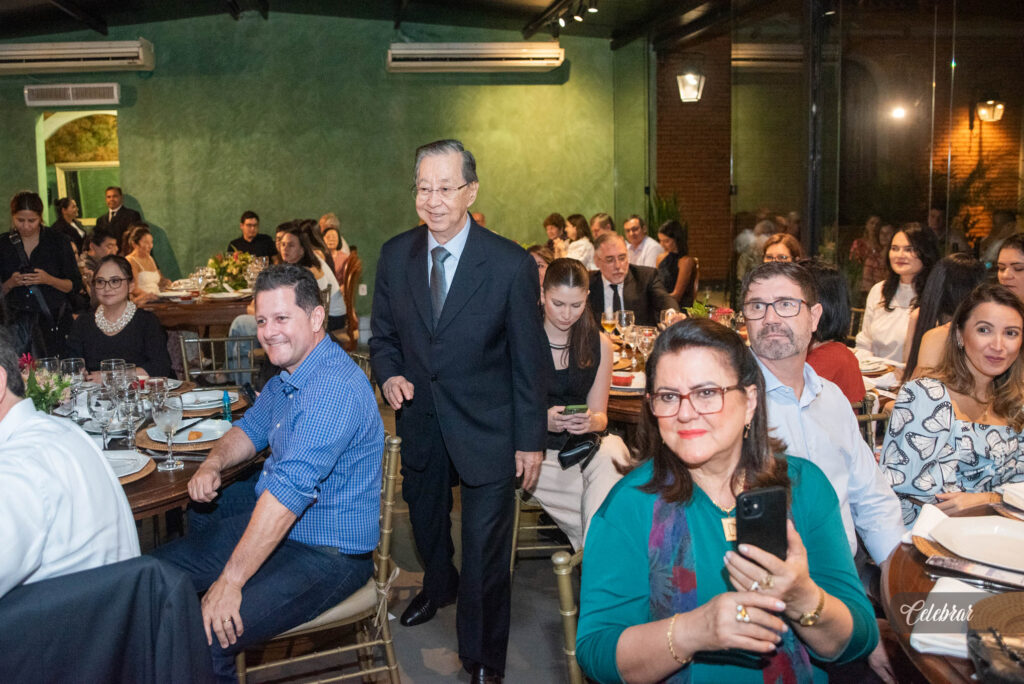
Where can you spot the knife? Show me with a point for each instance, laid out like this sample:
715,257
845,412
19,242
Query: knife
1006,578
186,426
161,456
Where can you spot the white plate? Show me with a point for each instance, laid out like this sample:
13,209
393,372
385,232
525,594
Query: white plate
990,539
224,295
92,428
211,429
171,294
873,367
173,383
205,399
88,385
636,384
126,462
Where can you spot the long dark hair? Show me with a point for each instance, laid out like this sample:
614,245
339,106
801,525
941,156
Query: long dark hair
678,233
761,458
1008,388
572,273
308,258
579,222
922,241
948,284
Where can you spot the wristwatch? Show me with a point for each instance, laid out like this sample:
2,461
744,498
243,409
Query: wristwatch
809,619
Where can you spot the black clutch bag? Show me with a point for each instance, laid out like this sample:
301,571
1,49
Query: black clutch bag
579,449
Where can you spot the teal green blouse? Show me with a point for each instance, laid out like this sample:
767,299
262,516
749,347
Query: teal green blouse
614,591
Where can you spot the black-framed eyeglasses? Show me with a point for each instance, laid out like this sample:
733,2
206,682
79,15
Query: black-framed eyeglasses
704,400
423,192
786,307
103,283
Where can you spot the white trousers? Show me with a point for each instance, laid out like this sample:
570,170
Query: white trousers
570,497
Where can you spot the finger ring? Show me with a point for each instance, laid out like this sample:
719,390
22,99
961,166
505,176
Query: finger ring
741,614
226,620
755,586
767,581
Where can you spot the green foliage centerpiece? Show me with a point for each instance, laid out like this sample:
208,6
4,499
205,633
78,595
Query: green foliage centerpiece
229,271
44,388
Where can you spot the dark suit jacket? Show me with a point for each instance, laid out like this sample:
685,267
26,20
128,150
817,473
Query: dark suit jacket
62,226
641,292
479,371
122,219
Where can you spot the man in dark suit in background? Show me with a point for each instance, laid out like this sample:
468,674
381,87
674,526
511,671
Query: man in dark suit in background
118,217
617,285
458,348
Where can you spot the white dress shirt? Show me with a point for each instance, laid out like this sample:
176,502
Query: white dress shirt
582,250
606,287
821,427
883,333
62,508
646,254
454,247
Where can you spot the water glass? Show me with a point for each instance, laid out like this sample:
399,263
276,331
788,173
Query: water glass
103,408
74,369
156,388
167,416
108,372
626,319
50,364
133,408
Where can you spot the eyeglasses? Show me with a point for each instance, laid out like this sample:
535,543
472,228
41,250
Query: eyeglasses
112,283
423,192
786,307
614,258
704,400
777,257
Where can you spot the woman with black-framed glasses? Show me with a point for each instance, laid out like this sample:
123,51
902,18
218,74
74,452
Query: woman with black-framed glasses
117,329
665,595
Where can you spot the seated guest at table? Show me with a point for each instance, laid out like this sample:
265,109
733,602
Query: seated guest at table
118,329
331,220
96,245
828,354
303,245
67,222
580,375
302,540
542,255
119,218
338,258
955,433
912,253
617,285
782,247
63,509
600,224
1010,265
643,250
558,241
581,246
665,595
949,283
38,279
678,272
146,275
252,240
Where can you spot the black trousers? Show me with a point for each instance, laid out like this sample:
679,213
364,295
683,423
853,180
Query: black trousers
484,589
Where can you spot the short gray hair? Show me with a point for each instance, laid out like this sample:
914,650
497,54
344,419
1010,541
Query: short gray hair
331,220
9,362
447,147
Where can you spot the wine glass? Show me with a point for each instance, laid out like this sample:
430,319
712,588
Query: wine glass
50,364
167,416
102,408
645,341
74,369
626,319
608,321
156,387
133,407
108,372
200,278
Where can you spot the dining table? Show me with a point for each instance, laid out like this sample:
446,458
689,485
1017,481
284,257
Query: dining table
163,491
199,314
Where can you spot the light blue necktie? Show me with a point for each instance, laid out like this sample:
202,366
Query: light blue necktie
438,282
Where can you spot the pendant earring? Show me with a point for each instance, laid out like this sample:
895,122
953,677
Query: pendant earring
746,431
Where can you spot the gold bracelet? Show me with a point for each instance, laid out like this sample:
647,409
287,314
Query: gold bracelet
671,646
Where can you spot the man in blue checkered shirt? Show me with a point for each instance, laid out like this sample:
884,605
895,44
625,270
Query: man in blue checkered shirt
275,555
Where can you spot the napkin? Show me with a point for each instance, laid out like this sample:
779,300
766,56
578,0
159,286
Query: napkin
1013,494
927,519
947,592
202,397
888,381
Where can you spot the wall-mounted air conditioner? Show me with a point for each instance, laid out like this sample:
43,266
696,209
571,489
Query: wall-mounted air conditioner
478,57
71,94
43,58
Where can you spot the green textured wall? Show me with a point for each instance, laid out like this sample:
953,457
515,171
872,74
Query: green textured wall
631,65
296,116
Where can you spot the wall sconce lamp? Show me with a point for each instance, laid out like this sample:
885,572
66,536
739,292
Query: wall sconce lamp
990,110
691,80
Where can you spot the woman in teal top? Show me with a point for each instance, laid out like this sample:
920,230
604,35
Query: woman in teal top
664,594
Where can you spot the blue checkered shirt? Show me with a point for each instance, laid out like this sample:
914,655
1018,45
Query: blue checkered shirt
326,442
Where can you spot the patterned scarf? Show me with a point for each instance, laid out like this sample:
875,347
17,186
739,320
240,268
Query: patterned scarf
673,589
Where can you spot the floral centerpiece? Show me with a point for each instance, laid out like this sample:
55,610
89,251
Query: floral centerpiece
44,388
720,314
229,271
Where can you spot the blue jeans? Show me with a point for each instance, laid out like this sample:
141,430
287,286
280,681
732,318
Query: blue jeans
242,326
296,583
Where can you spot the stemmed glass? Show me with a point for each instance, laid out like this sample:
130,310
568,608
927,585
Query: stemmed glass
608,321
626,319
200,278
50,364
102,408
74,369
134,408
645,341
108,372
167,416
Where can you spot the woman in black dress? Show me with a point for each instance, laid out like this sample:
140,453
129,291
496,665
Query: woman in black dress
677,270
38,274
118,329
67,222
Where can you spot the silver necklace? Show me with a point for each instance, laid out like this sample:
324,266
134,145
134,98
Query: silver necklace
112,328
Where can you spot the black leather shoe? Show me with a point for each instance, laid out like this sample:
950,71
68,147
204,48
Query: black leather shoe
421,609
481,674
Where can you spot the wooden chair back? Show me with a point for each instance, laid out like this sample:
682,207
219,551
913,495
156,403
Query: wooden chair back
208,356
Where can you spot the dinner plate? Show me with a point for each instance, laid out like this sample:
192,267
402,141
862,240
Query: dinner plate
125,462
173,383
93,428
171,294
224,295
873,367
636,385
205,399
990,539
209,430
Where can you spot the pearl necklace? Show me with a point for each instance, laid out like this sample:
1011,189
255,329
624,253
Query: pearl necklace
112,328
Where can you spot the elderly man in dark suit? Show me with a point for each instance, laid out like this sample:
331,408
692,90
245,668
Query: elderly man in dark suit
458,348
118,217
618,285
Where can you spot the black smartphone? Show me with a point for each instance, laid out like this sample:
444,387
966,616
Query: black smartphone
761,519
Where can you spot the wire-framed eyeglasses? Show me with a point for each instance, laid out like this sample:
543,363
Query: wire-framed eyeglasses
704,400
786,307
423,192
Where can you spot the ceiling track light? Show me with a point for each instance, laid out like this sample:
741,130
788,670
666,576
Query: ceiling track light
592,6
561,21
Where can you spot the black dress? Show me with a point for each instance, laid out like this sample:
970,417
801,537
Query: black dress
72,231
43,334
571,385
668,271
142,342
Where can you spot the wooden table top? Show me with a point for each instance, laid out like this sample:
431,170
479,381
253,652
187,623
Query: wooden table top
625,409
162,491
194,313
